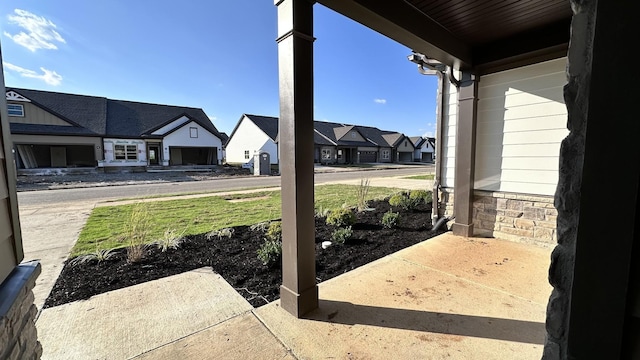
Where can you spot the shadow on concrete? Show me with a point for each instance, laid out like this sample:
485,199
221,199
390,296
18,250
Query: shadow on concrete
347,313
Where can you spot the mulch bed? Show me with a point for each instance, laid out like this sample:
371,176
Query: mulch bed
235,259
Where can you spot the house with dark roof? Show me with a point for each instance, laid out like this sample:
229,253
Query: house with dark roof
59,130
253,134
424,148
333,142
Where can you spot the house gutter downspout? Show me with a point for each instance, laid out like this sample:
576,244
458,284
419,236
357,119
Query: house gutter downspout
445,77
435,205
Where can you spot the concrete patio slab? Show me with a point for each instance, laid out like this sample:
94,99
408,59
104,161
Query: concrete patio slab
128,322
242,337
397,308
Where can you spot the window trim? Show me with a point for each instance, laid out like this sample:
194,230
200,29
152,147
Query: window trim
125,152
386,154
193,132
325,154
247,155
15,106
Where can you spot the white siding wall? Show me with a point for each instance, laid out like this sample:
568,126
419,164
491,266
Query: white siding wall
174,124
248,136
521,122
182,138
450,117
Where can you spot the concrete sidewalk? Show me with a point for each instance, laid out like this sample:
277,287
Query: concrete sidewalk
448,297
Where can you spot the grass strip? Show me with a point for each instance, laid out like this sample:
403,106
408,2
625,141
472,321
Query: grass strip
106,227
421,177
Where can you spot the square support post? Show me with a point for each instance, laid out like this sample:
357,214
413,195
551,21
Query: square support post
465,155
299,292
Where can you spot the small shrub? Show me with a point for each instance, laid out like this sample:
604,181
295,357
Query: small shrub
270,251
98,255
321,212
363,192
400,200
260,227
341,217
341,235
274,233
137,230
390,219
420,196
221,234
170,240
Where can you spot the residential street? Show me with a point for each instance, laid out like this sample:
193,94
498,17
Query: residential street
104,193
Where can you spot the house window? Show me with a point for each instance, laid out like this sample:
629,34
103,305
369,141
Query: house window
405,143
15,110
326,154
353,135
126,152
385,154
193,132
246,154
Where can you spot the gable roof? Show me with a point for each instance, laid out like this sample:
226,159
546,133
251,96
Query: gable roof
106,117
329,133
417,141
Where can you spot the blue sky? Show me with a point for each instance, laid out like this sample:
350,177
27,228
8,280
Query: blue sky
220,56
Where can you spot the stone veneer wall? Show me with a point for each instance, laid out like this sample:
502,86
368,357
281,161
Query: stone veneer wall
509,216
516,217
18,335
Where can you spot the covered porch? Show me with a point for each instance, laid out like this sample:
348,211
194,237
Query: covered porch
464,41
463,298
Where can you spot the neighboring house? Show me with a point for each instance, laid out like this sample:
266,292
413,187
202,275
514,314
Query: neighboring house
58,130
333,142
252,134
424,148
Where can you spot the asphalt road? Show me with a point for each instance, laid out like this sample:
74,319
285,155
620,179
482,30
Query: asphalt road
68,196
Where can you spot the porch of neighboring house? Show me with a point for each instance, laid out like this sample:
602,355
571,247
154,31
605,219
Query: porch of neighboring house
39,156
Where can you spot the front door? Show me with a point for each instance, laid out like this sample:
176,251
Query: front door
154,154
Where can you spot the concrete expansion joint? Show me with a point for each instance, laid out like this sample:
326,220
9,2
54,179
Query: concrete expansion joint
289,350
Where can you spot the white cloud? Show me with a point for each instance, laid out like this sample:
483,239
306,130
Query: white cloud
428,134
48,76
380,101
40,32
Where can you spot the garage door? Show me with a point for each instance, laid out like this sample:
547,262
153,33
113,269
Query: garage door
368,156
427,157
405,156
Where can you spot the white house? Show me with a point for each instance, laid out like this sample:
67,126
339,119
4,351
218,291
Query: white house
424,148
252,134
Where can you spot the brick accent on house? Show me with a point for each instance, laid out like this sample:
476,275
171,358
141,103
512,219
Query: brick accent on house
509,216
515,217
18,335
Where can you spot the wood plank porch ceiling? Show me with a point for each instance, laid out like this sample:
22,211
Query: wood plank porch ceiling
486,35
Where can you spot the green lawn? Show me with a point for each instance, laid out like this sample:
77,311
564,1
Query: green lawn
421,177
106,226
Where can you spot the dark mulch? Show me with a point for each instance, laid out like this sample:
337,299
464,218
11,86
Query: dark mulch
235,259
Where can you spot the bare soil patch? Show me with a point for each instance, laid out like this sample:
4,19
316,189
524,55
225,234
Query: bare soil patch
235,259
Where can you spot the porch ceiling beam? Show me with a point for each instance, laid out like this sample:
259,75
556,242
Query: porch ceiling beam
408,26
299,292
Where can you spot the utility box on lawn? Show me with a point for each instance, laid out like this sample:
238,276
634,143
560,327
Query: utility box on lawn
261,164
